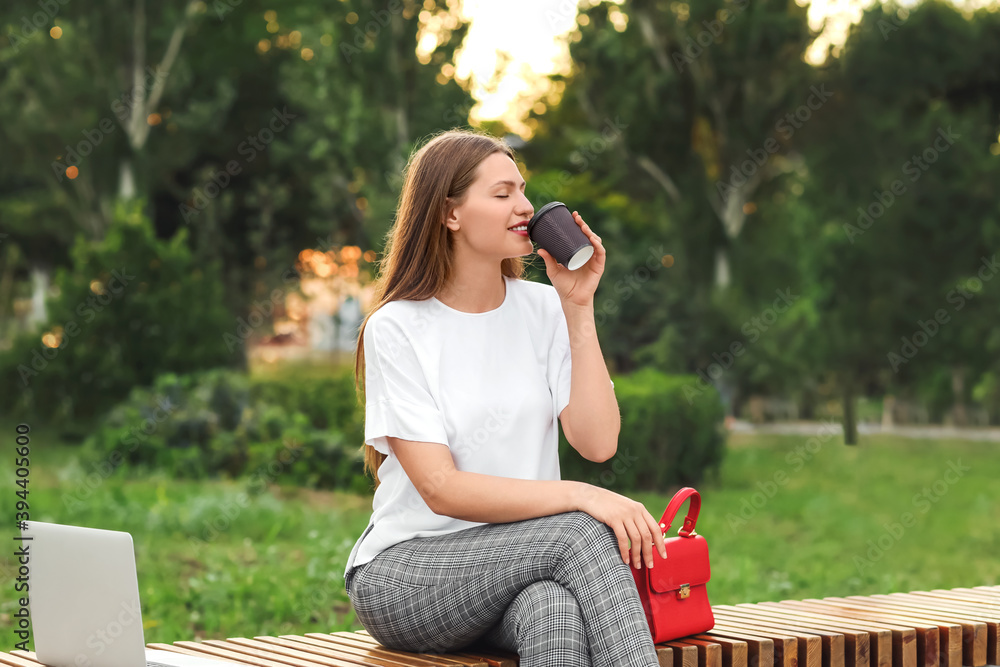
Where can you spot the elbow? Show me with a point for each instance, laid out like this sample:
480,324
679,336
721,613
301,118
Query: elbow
607,449
438,498
599,449
436,504
605,453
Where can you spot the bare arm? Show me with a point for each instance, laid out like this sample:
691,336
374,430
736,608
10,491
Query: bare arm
477,497
490,499
473,496
592,420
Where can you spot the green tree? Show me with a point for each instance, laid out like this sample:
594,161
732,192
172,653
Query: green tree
686,115
901,214
130,307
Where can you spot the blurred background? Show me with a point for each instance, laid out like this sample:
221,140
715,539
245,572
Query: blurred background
799,310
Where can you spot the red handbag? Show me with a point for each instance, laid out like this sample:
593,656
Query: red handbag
673,592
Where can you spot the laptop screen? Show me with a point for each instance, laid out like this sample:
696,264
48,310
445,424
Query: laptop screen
83,596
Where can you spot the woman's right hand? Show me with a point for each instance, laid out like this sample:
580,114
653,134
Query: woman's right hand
628,518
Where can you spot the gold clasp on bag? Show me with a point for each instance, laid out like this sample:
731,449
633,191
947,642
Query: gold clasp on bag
683,591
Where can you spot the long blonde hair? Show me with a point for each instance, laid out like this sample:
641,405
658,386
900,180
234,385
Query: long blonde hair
418,254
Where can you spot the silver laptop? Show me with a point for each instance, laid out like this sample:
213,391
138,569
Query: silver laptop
83,599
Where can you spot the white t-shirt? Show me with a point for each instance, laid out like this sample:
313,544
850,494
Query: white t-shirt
489,385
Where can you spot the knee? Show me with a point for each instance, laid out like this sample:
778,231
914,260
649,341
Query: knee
586,532
543,606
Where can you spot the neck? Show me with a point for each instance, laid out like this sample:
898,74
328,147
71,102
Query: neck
474,289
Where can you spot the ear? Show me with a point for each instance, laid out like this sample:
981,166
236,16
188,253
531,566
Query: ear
450,217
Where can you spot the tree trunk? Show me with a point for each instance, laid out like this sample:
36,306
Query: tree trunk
737,403
807,400
959,414
145,98
721,268
40,281
850,415
126,179
888,410
6,288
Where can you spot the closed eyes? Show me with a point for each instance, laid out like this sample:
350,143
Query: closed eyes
503,196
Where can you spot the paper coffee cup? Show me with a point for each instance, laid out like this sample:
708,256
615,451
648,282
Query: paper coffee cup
554,229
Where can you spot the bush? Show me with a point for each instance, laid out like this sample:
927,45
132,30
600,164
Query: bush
329,399
666,441
132,307
307,429
218,423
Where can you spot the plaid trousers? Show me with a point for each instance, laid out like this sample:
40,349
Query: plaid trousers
554,589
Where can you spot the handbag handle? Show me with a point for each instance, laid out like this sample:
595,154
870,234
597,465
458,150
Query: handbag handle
675,504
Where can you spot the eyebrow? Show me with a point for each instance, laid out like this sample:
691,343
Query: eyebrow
505,183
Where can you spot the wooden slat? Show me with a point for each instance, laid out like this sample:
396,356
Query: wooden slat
817,648
491,659
364,639
348,652
938,628
210,650
734,651
958,606
18,659
865,644
841,645
786,647
991,598
950,635
352,654
186,651
965,641
904,638
709,653
683,655
970,598
664,656
292,655
989,590
760,650
879,634
975,631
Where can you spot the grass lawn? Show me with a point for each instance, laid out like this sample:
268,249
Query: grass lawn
785,520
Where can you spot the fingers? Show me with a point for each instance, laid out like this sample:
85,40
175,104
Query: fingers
642,546
640,539
583,225
594,238
645,535
638,534
630,542
622,541
657,535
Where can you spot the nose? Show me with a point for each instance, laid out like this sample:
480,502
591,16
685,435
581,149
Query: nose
530,209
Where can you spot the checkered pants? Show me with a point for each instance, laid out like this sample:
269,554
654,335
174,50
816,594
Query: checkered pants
553,589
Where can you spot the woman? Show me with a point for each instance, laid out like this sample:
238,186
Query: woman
474,537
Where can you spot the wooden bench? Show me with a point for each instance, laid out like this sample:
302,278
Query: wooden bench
938,628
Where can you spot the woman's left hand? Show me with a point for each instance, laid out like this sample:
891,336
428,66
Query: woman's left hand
577,287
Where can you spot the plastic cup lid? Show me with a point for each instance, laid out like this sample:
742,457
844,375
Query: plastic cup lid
538,214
